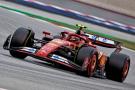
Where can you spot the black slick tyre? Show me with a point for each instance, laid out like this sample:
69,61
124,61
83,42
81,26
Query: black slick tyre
87,58
117,67
21,37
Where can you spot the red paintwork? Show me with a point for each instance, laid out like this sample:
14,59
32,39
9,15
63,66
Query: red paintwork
52,46
64,41
46,33
49,60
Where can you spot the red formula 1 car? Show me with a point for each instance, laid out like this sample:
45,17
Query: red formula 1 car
71,50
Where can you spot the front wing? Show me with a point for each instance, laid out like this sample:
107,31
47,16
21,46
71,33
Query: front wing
52,58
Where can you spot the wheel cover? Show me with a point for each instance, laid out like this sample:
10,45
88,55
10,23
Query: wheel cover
91,65
125,70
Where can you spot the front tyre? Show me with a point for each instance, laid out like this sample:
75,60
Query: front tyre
22,37
117,67
87,58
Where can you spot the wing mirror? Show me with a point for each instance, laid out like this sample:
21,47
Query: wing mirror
46,33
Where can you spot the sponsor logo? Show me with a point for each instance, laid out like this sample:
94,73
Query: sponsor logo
28,49
59,58
101,39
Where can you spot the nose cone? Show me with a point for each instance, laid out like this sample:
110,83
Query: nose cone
42,53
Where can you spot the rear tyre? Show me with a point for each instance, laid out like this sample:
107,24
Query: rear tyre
87,58
117,67
22,37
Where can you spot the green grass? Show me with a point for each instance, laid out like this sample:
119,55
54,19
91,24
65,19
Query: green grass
126,43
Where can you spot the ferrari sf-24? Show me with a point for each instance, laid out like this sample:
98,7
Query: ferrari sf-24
76,51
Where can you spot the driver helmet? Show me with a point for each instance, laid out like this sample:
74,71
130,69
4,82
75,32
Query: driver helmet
81,29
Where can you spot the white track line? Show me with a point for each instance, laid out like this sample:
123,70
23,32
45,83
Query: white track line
17,13
57,25
54,24
129,49
2,89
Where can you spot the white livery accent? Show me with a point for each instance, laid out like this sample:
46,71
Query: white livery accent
101,39
59,58
28,49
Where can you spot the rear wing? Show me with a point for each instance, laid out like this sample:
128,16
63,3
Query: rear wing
102,41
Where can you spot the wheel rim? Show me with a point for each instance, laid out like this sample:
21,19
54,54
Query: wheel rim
125,70
91,65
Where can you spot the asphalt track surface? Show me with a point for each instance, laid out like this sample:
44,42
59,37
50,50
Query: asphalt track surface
32,74
69,4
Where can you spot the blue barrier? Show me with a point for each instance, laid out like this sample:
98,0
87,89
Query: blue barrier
86,18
